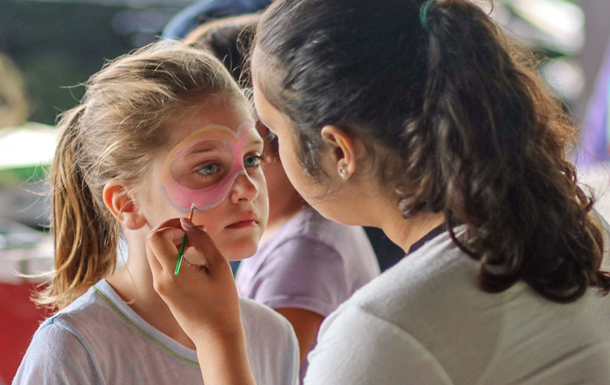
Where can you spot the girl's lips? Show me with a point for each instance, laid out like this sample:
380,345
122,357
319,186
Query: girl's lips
242,224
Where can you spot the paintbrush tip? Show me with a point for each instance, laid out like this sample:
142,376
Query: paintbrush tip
191,213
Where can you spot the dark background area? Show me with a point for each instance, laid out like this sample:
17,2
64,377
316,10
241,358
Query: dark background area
57,45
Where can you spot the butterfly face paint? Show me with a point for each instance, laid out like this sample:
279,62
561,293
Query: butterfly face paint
202,168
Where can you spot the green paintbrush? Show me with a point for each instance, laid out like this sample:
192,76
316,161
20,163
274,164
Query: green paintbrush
183,246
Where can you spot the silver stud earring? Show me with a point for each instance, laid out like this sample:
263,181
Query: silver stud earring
342,172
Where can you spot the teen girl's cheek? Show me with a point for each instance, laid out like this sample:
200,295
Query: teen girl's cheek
202,168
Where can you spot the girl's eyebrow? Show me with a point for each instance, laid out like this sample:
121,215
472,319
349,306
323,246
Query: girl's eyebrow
198,149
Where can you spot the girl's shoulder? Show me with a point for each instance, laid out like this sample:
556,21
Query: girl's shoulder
60,351
423,273
87,311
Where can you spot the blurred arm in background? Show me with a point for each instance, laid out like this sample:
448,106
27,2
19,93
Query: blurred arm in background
595,136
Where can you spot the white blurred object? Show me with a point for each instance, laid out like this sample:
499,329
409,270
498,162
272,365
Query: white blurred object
596,178
29,145
561,20
565,77
25,152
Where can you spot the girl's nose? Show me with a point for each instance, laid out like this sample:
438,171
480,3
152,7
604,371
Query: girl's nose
244,189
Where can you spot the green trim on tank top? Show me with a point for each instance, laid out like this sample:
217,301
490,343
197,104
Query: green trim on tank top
142,332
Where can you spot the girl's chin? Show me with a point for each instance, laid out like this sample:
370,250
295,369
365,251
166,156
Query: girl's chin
246,249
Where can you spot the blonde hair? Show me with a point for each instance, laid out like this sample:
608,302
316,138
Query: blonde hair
113,134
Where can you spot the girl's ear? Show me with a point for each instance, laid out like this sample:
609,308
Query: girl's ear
344,149
122,206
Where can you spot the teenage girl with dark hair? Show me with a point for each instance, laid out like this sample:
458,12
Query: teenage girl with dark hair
306,265
424,119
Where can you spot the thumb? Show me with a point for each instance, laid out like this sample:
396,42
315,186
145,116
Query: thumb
203,244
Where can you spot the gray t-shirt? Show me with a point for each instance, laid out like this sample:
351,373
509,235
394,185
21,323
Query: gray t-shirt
99,339
425,321
311,263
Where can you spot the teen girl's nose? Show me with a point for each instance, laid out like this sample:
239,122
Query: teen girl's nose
244,189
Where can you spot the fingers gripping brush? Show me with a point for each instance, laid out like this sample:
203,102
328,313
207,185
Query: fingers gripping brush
183,245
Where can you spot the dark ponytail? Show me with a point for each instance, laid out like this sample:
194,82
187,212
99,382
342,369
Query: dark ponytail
501,140
85,239
470,130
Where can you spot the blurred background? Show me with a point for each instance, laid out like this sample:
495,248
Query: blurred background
48,47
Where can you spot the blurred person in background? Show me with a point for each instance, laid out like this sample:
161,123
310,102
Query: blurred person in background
13,104
22,249
306,265
13,112
593,156
205,11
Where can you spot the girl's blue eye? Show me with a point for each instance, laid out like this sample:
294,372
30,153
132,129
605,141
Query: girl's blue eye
208,169
253,161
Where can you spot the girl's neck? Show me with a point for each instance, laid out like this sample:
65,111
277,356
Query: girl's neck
134,285
405,232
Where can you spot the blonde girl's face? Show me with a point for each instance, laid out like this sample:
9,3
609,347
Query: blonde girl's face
212,163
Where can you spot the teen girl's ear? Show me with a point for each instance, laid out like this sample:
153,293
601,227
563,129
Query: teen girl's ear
120,203
345,150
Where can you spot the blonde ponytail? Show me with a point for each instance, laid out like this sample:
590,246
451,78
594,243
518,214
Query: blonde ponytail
85,241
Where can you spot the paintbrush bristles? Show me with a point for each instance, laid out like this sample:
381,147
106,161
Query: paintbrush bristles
191,213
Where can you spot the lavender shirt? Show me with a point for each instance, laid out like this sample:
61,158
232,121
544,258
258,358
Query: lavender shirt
310,263
595,137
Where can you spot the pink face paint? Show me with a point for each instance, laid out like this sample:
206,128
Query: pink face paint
179,179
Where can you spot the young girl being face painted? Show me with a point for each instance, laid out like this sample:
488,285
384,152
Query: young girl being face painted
158,130
213,163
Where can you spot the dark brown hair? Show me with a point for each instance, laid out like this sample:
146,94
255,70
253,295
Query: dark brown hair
469,129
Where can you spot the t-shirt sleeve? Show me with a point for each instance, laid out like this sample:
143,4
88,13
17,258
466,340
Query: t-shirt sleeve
355,347
304,273
55,356
272,345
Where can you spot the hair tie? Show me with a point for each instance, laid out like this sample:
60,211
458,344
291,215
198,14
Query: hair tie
423,13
